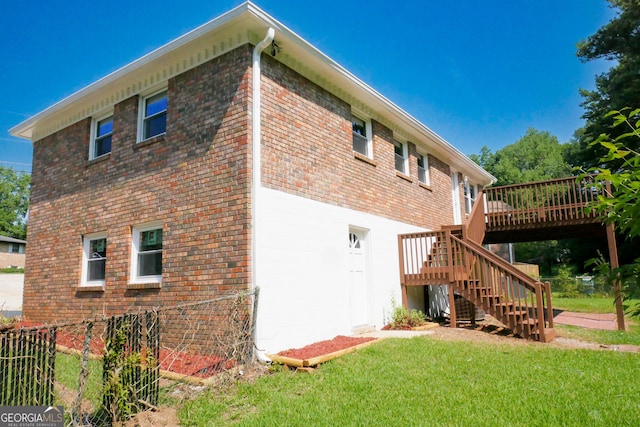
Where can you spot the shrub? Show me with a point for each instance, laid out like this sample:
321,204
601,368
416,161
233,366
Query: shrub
403,318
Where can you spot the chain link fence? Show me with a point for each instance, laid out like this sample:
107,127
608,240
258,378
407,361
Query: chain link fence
105,370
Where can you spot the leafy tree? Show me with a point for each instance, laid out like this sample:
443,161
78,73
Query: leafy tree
14,202
618,40
537,156
622,206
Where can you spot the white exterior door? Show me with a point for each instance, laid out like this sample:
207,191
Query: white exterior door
455,194
358,292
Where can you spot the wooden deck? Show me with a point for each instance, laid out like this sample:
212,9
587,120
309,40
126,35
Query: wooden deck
455,256
545,210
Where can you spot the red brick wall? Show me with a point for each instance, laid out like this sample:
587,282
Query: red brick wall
195,180
308,151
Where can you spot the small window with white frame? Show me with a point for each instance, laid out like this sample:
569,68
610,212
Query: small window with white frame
146,256
101,134
95,259
153,115
423,169
401,155
361,130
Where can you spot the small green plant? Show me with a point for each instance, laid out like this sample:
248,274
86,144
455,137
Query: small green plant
123,368
403,318
565,283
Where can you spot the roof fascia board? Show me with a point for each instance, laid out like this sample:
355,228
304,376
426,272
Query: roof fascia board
24,129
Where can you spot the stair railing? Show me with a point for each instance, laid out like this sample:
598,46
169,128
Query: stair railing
475,225
510,295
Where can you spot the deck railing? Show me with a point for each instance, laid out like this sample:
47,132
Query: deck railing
558,200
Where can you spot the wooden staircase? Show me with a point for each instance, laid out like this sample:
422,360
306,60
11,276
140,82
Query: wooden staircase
454,256
445,258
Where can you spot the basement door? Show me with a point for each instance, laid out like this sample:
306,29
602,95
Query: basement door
358,289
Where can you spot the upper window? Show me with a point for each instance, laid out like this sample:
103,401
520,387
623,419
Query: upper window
400,149
361,136
95,260
423,169
147,254
101,140
154,116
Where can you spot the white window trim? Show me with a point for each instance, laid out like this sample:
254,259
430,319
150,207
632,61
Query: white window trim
405,155
86,240
469,201
369,131
141,111
135,245
427,174
94,135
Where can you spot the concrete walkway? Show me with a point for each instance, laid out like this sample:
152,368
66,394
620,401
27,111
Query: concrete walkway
11,286
605,321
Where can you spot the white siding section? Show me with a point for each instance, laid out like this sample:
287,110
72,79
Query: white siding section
303,274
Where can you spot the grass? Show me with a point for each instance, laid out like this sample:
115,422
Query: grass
68,374
588,304
422,381
11,270
630,336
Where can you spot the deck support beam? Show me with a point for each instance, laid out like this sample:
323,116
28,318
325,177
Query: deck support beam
617,289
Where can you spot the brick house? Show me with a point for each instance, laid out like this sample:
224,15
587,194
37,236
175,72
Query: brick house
12,252
237,155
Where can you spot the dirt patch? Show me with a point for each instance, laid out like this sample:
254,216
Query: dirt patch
340,342
164,417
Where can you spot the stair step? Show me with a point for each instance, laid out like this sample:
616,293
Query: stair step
505,304
517,313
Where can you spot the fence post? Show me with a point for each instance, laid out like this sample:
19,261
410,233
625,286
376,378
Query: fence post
75,412
254,320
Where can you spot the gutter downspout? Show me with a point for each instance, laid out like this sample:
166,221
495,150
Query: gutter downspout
256,142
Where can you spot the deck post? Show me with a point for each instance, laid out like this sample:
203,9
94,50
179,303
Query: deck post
405,300
403,285
613,259
547,290
452,307
540,312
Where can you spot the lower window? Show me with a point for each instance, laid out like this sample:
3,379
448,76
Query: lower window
95,260
147,254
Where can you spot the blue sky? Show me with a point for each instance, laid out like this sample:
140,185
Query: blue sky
476,72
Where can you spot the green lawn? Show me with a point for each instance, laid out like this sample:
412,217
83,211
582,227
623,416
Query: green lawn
587,304
630,336
67,373
425,382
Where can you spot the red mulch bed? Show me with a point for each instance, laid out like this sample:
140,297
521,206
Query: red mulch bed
324,347
195,365
179,362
